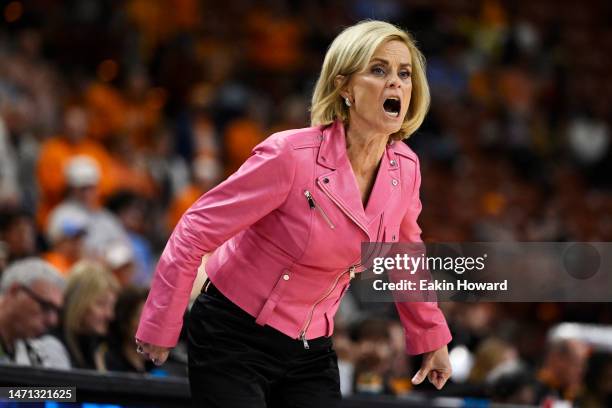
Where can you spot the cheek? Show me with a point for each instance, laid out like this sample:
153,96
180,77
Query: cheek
91,317
367,91
408,95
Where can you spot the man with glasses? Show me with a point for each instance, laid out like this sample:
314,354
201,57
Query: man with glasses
31,297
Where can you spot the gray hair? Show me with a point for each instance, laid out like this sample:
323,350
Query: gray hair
29,270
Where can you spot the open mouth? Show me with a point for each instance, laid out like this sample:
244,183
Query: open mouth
392,106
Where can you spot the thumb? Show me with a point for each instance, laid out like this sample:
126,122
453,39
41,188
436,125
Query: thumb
420,375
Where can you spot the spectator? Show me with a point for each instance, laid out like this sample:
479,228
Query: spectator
493,358
55,154
89,304
18,233
373,357
10,194
103,228
562,371
119,259
66,236
132,210
597,382
30,303
121,354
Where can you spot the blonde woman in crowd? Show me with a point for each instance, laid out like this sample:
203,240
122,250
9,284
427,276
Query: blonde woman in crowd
89,302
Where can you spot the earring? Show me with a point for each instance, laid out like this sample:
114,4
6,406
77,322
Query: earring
347,102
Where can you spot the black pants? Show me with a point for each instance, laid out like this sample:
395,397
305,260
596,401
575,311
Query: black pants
234,362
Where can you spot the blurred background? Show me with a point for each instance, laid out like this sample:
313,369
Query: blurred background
115,116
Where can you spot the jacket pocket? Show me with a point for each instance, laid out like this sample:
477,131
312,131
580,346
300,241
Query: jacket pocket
315,207
273,298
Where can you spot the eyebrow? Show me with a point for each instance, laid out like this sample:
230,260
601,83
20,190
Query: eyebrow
384,61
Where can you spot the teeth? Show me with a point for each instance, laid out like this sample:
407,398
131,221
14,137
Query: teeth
394,108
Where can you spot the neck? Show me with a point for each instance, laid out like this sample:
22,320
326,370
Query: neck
364,148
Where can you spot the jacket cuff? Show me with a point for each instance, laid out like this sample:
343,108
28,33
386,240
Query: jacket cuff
428,341
152,333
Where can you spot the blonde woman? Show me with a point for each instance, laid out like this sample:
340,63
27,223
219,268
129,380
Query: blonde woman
286,231
89,302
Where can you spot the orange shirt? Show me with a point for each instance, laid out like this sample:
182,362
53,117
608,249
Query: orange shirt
54,154
241,136
61,262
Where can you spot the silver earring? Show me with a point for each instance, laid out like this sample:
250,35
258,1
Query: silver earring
348,103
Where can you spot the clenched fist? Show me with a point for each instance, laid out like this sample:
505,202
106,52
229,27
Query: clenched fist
157,354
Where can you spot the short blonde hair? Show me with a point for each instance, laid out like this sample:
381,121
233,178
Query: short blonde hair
349,53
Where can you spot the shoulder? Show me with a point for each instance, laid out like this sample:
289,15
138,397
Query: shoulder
294,138
52,351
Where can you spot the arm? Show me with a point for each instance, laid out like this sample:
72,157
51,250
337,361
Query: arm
424,324
260,185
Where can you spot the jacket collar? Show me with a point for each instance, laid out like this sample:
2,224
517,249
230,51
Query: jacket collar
333,155
333,146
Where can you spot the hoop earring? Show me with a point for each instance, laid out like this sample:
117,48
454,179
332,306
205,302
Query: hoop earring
347,102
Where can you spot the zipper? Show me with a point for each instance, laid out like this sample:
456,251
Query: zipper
302,336
346,211
313,205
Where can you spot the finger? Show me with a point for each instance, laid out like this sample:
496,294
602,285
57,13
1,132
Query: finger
420,375
158,360
438,379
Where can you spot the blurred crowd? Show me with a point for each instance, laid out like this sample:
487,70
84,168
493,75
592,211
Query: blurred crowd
116,116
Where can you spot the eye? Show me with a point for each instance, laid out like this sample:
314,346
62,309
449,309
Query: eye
378,70
405,74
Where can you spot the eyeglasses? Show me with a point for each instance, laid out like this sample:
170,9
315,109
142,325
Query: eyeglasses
44,304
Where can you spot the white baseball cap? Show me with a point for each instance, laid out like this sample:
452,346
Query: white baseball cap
82,171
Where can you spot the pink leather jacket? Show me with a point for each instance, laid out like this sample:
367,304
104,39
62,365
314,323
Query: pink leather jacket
286,231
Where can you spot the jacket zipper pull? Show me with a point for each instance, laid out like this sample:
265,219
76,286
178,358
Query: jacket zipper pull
303,338
352,272
311,202
313,206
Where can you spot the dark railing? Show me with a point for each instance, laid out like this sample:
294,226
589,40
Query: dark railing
135,390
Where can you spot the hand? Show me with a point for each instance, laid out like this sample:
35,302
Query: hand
436,366
157,354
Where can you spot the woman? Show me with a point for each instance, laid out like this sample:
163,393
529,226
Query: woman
89,303
286,230
121,355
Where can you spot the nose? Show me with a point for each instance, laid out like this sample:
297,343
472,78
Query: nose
394,81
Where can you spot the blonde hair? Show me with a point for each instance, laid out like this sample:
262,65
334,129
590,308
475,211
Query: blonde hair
87,280
349,53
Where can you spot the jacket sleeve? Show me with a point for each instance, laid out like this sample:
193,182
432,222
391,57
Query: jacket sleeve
424,324
258,187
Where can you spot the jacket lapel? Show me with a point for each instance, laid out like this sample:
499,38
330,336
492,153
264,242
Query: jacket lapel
339,184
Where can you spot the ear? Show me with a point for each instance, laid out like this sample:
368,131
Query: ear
341,82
